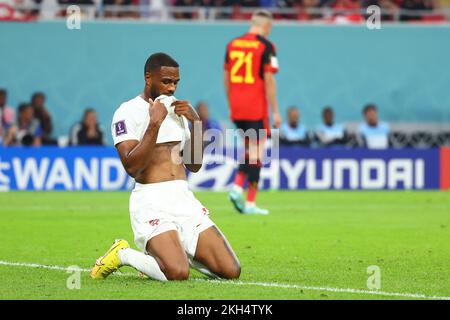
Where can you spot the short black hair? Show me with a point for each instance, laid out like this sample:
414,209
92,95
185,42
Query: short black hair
37,94
327,109
368,107
88,110
3,91
23,106
158,60
200,103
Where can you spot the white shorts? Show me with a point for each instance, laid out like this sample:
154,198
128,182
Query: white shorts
159,207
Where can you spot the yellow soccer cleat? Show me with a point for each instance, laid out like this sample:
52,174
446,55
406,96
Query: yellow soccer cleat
109,262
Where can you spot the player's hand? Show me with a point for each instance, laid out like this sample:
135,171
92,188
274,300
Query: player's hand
184,108
276,120
157,111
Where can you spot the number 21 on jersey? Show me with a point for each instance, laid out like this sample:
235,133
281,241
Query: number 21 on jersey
242,59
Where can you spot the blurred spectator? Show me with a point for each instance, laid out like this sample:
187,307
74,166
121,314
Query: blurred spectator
374,134
388,7
77,2
154,9
7,115
292,132
64,4
87,131
206,3
111,12
249,3
185,3
21,9
414,5
306,5
207,122
237,5
329,133
286,3
28,131
350,12
297,9
268,3
41,113
223,3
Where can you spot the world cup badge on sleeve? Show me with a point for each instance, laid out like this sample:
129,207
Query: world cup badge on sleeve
120,128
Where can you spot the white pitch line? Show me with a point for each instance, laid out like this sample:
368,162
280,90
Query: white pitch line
248,283
36,265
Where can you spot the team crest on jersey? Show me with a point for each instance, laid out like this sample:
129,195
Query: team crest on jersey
120,127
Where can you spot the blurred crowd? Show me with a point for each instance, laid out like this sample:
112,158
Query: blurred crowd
334,11
371,133
32,125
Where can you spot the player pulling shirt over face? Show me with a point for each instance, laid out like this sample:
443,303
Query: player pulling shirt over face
132,119
171,227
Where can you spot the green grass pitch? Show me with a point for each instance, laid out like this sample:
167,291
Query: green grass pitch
313,245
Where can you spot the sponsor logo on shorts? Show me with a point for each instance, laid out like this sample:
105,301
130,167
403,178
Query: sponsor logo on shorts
120,127
154,222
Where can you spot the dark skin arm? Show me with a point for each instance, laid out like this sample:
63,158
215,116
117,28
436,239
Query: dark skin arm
133,153
193,159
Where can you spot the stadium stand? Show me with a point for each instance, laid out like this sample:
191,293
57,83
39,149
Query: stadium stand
292,132
329,11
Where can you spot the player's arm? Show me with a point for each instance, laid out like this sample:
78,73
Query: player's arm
136,155
270,65
226,83
226,75
271,91
194,158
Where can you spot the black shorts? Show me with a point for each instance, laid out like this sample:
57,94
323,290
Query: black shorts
256,125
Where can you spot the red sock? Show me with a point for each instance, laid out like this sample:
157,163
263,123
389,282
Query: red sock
239,180
251,192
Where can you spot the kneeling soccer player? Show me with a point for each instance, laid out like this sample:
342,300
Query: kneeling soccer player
171,227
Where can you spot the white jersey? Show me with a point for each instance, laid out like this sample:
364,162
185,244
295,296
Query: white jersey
131,119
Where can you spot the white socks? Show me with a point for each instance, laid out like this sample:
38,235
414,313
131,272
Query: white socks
141,262
148,265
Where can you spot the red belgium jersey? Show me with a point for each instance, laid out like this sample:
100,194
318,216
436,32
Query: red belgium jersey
247,59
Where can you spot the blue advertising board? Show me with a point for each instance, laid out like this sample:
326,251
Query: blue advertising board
99,168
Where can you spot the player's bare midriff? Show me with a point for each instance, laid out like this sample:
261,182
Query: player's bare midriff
166,164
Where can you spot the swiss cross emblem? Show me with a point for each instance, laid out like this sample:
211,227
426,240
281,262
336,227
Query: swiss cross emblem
154,222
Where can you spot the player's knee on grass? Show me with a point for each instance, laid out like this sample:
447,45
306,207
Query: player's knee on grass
170,256
175,268
176,271
231,272
215,253
226,268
